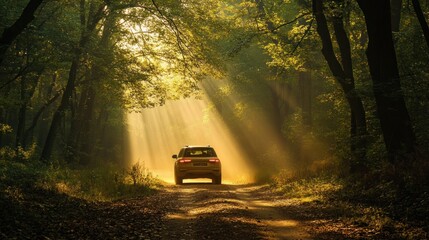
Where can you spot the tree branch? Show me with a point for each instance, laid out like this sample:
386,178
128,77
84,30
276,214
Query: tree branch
12,32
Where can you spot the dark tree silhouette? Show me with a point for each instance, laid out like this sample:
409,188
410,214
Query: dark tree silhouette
344,75
12,32
395,121
87,30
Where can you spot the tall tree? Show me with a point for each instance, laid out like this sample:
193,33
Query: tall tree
343,72
82,132
395,121
88,26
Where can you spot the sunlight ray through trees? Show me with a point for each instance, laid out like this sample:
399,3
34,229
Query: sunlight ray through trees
158,133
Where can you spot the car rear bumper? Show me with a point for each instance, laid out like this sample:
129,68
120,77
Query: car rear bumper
190,173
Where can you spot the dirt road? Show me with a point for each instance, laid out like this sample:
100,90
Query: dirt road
188,211
206,211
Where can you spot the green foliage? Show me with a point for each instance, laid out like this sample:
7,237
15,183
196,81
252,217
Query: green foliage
5,128
355,205
18,175
96,184
292,185
100,184
140,175
139,55
18,153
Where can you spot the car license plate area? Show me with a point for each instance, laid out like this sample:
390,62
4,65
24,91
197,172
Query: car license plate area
200,164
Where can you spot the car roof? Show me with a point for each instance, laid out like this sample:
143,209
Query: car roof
198,146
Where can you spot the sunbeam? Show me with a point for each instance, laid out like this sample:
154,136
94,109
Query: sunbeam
155,134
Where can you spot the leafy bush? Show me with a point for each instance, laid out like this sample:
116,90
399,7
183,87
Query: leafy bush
95,184
292,186
102,183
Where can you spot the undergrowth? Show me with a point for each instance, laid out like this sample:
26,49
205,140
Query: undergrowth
306,187
381,208
104,183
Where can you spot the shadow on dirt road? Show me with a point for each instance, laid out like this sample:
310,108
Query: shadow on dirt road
207,211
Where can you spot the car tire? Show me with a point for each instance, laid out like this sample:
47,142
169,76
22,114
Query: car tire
217,180
178,180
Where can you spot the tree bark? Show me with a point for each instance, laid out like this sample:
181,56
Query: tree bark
395,122
396,14
12,32
358,125
343,73
422,20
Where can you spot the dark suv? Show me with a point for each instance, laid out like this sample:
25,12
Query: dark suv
197,162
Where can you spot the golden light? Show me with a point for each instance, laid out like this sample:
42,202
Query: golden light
156,134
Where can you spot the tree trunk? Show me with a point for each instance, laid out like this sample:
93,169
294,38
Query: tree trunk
87,135
358,127
344,75
21,116
38,115
305,98
12,32
27,92
59,113
87,30
396,14
395,122
88,139
76,122
45,114
422,20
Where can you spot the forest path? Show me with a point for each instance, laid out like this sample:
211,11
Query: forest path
188,211
206,211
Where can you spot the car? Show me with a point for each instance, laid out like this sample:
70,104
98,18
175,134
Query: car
197,162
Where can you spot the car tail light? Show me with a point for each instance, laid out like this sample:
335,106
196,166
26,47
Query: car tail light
184,160
214,160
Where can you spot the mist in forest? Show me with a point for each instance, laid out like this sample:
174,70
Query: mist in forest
246,145
158,133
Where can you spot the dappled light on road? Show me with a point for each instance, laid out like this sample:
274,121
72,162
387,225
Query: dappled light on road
244,209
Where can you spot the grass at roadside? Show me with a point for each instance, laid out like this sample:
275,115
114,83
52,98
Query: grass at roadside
101,184
336,208
41,202
92,184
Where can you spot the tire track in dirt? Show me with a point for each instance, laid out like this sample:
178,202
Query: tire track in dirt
277,225
206,211
178,224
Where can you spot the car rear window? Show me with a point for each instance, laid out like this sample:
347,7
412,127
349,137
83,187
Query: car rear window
200,152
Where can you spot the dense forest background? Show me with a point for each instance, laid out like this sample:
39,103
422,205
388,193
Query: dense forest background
352,75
